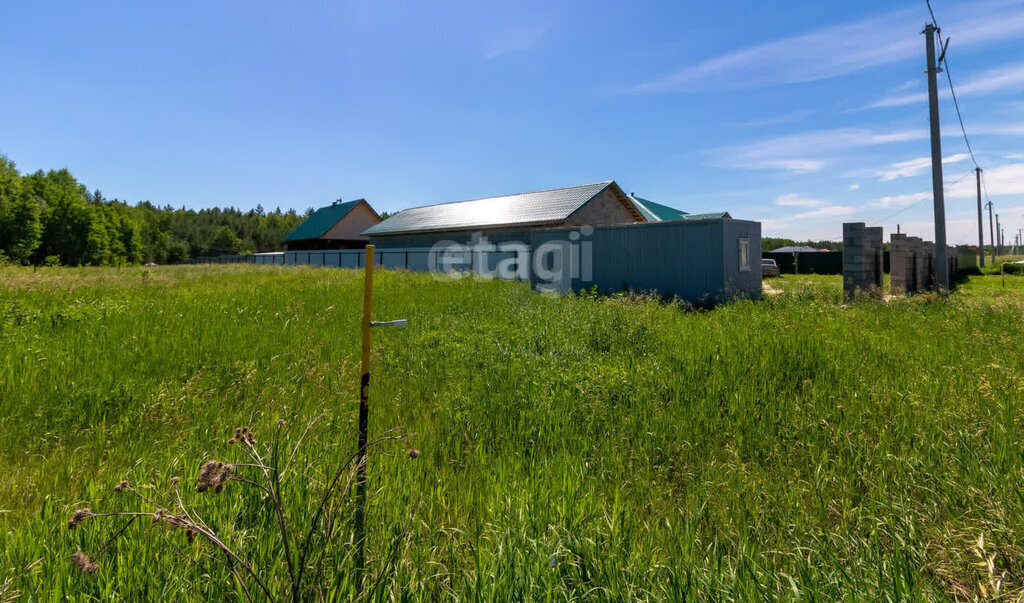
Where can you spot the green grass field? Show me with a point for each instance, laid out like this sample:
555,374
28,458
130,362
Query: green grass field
571,448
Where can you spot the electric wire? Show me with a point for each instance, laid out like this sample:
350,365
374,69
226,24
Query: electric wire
922,200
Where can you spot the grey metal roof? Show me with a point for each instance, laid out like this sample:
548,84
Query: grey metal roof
795,249
539,207
708,216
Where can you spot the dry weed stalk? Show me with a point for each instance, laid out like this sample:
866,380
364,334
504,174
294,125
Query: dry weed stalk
214,476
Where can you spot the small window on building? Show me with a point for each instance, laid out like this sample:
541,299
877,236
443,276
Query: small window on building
744,255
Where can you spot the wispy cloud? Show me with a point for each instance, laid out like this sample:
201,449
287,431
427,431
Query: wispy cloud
806,152
832,211
899,200
798,200
995,80
773,121
1003,180
840,49
518,40
815,223
853,187
914,167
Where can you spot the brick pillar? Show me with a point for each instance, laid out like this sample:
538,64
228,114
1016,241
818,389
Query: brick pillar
874,251
901,258
862,259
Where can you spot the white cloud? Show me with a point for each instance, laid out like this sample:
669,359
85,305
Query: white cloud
1005,180
794,166
853,187
994,80
798,200
831,211
795,153
899,200
841,49
913,167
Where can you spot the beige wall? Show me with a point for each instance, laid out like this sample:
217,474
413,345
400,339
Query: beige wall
606,208
358,219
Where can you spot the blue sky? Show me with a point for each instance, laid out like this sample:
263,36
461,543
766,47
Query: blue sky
799,114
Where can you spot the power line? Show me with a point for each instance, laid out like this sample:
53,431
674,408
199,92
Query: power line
929,3
949,78
916,203
956,105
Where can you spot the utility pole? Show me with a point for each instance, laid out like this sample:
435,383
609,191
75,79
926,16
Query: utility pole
940,266
991,231
981,227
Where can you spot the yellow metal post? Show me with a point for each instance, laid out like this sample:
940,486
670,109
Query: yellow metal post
364,412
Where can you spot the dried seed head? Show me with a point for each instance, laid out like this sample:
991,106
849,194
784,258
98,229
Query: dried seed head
158,515
243,435
280,422
82,562
174,481
122,486
78,517
413,453
213,475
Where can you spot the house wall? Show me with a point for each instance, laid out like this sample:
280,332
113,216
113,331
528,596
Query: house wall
358,219
745,283
695,261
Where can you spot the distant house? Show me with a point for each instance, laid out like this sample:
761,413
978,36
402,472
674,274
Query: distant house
796,249
514,217
337,226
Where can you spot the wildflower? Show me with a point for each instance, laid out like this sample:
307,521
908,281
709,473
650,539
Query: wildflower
78,517
82,562
280,422
413,453
122,486
213,475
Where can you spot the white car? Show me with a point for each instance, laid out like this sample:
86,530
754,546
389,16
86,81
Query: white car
769,267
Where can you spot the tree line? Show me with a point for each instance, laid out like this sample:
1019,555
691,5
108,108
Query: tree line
51,218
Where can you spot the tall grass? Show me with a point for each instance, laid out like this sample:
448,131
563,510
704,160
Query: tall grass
571,448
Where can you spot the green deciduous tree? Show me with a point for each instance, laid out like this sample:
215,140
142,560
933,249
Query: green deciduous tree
51,215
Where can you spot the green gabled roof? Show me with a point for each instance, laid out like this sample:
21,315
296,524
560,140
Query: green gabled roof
656,212
321,221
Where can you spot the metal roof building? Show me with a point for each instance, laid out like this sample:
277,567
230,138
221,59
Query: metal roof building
601,203
337,226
